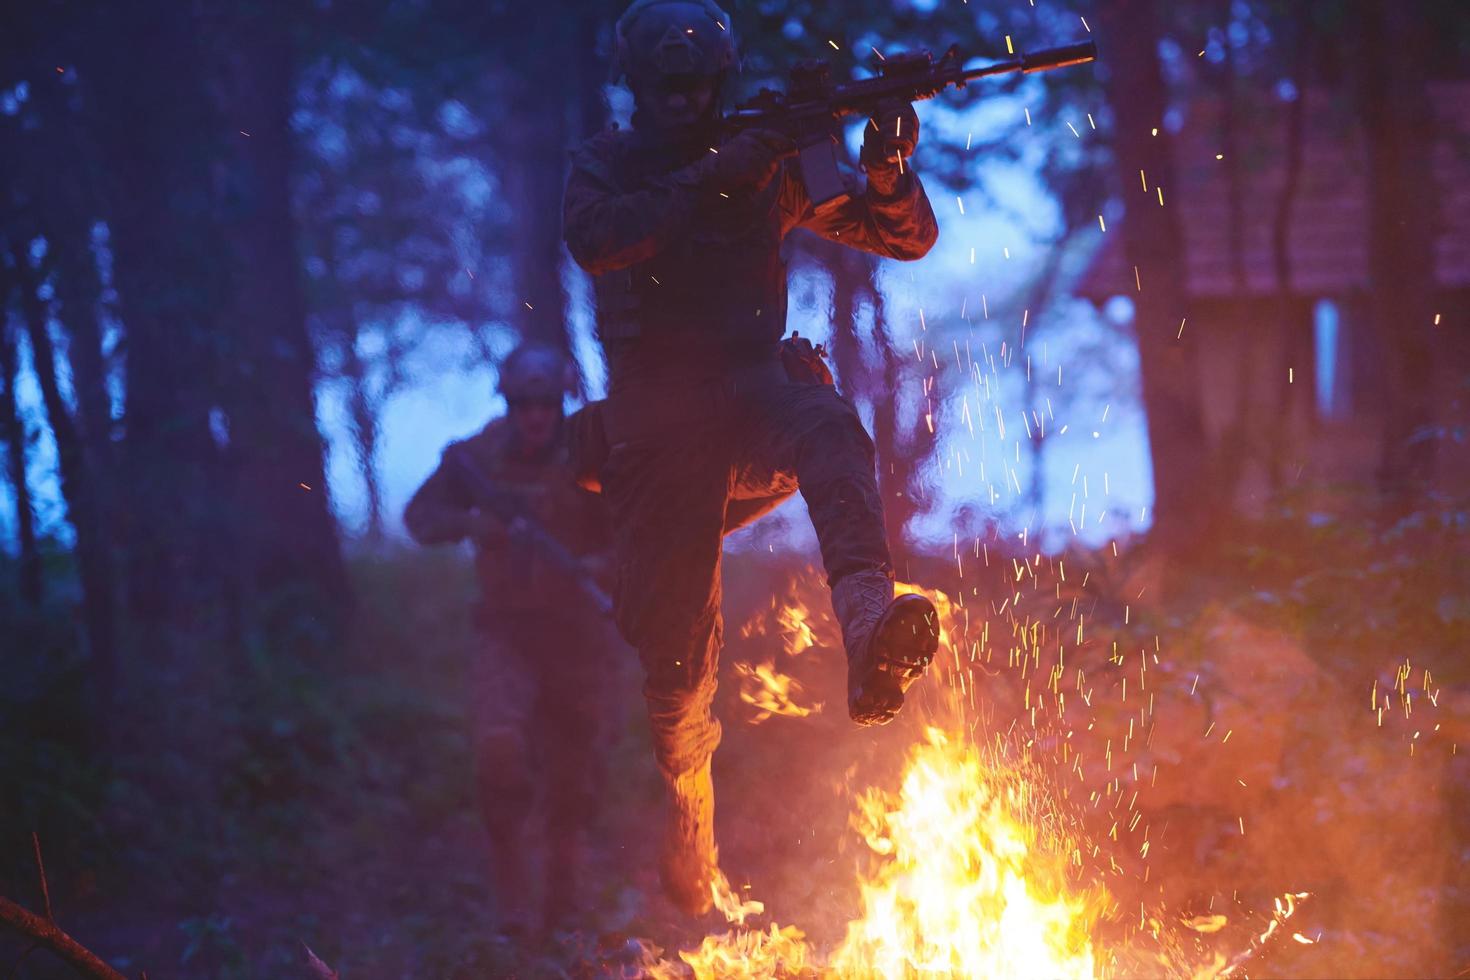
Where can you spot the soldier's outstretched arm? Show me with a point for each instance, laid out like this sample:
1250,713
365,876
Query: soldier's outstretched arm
899,224
607,229
891,216
441,512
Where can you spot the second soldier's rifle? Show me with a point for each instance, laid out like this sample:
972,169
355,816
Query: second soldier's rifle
812,109
509,510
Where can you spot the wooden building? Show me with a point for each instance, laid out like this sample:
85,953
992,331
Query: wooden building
1278,278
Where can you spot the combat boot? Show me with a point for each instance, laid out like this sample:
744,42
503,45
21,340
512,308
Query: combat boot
890,643
688,863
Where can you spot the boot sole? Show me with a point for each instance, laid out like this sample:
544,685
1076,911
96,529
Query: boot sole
907,633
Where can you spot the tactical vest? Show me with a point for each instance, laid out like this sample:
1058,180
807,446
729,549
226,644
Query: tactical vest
722,282
512,575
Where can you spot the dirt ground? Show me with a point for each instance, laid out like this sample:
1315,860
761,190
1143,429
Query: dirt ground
1295,720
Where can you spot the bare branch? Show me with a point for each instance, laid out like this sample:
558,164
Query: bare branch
41,871
48,934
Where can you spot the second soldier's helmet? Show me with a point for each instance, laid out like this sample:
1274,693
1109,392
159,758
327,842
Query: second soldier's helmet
536,372
657,38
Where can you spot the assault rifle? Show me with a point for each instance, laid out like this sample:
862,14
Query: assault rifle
508,509
813,107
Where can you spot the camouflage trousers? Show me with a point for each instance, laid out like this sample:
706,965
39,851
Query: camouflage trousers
545,708
686,468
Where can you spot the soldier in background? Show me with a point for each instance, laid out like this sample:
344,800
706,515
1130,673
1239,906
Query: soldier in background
540,709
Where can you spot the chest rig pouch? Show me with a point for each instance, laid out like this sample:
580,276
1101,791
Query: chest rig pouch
722,278
618,304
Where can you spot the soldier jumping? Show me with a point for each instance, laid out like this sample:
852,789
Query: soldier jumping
683,235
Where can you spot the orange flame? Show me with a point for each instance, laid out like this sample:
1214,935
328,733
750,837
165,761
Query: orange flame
962,887
794,620
771,692
772,952
942,605
972,873
968,889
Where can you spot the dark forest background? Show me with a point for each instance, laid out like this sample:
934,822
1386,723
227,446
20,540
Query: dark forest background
210,696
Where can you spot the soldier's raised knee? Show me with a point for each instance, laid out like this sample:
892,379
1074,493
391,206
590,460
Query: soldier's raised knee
677,682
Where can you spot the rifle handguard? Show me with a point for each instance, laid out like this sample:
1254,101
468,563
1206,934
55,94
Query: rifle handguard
810,112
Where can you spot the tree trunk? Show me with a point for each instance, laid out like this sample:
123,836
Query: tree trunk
854,280
68,205
590,71
899,459
293,556
77,291
164,145
52,175
1041,297
1184,501
166,270
363,409
1398,124
553,103
533,164
1238,443
13,432
94,563
844,268
1287,309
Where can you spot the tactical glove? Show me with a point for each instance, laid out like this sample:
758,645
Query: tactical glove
889,138
805,363
745,163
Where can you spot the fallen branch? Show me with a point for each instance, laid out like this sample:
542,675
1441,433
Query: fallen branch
44,933
41,873
50,936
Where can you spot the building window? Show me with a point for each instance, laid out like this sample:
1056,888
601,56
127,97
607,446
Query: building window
1328,347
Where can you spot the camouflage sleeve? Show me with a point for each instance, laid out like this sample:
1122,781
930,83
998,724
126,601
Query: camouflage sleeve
441,512
900,225
607,228
599,559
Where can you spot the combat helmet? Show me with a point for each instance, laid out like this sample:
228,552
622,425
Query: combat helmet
536,372
656,38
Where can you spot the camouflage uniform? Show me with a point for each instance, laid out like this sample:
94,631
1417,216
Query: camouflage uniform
541,715
705,430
